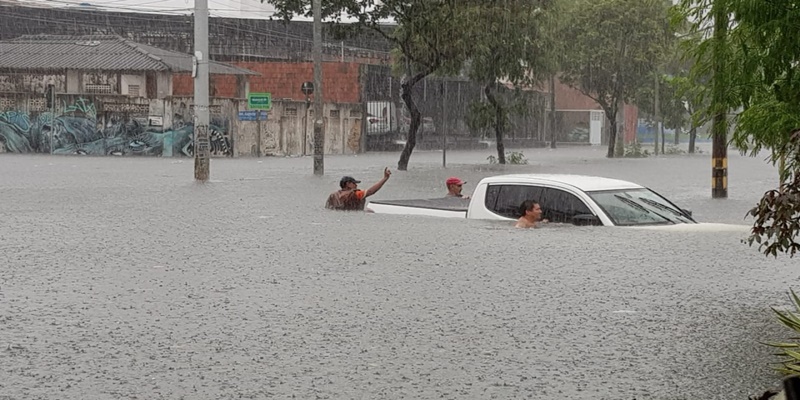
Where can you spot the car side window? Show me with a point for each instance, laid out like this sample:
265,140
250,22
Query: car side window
505,199
561,206
557,205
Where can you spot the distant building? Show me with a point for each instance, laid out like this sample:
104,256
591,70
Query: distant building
98,64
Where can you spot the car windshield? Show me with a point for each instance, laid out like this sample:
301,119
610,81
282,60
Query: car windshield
639,207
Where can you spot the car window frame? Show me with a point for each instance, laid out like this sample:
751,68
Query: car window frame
492,208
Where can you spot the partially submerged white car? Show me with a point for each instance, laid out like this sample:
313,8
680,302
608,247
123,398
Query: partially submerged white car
570,199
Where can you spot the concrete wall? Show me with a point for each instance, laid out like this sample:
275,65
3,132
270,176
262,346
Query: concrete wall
109,125
123,126
31,83
288,130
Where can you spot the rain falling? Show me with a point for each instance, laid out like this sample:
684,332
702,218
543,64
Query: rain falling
584,199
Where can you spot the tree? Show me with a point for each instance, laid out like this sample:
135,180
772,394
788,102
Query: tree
756,75
688,91
777,214
509,50
428,38
615,45
672,110
691,84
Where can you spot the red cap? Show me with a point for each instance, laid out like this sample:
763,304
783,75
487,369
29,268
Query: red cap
454,181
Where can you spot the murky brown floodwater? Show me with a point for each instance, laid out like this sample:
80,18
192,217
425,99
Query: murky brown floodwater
122,278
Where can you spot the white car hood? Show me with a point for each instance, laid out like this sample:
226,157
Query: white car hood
701,227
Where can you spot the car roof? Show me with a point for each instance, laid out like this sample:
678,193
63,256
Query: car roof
585,183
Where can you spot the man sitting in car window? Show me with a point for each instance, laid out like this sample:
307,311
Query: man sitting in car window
454,187
531,214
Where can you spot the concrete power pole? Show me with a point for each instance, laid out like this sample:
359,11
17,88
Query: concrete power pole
201,114
319,134
719,122
656,115
552,116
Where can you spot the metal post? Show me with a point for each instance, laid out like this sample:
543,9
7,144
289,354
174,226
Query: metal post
445,125
201,113
319,134
552,118
50,93
258,134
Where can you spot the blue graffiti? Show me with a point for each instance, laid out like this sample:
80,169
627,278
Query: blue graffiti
78,132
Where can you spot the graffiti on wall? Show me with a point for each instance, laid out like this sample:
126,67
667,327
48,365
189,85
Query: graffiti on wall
81,129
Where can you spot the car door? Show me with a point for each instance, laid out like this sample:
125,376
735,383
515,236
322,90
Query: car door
561,206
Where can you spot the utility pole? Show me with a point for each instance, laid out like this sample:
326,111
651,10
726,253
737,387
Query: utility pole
719,123
319,134
445,124
553,111
201,118
656,116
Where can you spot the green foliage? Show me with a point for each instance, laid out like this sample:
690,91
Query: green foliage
673,150
777,225
750,63
789,351
634,150
614,48
671,106
482,114
767,124
509,44
514,157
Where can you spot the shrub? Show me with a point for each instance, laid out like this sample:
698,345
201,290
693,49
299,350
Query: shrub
514,157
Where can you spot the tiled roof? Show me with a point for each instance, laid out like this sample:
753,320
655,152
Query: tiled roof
96,53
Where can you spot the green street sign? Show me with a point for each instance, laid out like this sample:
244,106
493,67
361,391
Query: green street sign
259,101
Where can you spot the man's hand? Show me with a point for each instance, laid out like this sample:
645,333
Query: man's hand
377,186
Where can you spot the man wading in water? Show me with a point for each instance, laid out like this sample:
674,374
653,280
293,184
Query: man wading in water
350,197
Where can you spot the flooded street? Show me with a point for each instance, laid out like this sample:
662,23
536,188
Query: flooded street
123,278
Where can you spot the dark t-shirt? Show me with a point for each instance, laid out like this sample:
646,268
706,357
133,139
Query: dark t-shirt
347,200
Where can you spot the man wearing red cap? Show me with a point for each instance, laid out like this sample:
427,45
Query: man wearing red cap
454,187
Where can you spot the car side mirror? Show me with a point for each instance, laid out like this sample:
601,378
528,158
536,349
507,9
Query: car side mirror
586,219
687,212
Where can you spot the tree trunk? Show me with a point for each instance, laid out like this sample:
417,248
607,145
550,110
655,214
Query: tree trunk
499,123
406,89
612,133
677,135
692,138
553,112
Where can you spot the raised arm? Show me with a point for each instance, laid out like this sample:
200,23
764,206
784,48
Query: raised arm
376,187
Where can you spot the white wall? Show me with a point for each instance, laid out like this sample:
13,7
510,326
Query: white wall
137,80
